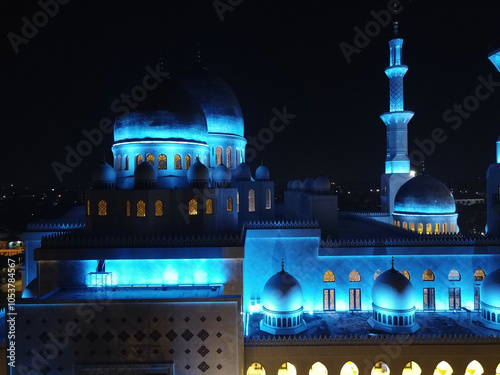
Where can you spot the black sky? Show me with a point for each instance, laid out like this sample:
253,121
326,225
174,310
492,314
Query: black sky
273,54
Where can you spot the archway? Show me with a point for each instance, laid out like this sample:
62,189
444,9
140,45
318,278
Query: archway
412,368
256,369
349,368
380,368
318,369
287,369
474,368
443,368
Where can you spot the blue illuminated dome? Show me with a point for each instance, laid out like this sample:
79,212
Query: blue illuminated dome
104,173
308,185
242,173
167,113
424,195
282,292
262,173
219,103
296,185
221,173
322,185
198,172
392,290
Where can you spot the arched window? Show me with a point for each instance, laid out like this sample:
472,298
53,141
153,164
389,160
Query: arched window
394,222
412,368
399,223
287,368
102,208
126,163
256,369
318,369
209,209
251,200
88,208
443,368
445,228
412,227
138,160
187,161
428,275
349,368
268,199
380,368
428,228
193,207
218,155
451,227
405,225
141,209
127,208
118,163
474,368
420,228
162,161
479,275
238,202
406,274
354,276
229,204
329,276
150,159
158,208
177,162
377,274
454,275
437,230
228,157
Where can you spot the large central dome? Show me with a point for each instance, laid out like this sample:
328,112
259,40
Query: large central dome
424,195
167,113
219,103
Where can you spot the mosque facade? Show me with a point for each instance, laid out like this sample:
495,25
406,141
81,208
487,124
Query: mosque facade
181,262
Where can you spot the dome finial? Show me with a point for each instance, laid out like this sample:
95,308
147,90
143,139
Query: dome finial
392,263
198,53
282,265
396,27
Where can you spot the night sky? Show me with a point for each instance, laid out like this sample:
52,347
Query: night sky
273,54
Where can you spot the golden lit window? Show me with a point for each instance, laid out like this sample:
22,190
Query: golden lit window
228,157
268,199
412,227
229,204
177,162
141,209
209,207
354,276
406,274
251,200
126,163
102,208
88,208
438,229
256,369
218,155
237,202
187,161
150,159
193,207
454,275
377,274
138,160
428,275
158,208
405,225
162,161
328,276
445,228
128,208
479,275
118,165
420,228
428,228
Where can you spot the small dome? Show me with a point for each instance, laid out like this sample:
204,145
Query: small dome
424,195
104,173
297,185
282,292
197,172
262,173
490,289
289,186
145,172
221,173
322,184
308,185
242,173
393,291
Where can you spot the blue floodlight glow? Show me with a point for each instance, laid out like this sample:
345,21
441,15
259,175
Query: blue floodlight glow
495,59
498,152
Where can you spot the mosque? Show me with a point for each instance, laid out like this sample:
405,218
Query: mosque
181,262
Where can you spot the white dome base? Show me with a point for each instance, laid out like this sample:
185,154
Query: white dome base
283,330
393,329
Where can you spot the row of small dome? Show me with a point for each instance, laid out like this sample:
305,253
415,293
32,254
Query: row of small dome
321,184
198,172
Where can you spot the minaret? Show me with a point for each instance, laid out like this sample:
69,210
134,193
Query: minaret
493,177
397,163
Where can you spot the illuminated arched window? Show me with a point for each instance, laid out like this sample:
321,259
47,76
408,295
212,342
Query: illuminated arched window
394,222
406,274
237,202
229,204
268,199
349,368
354,276
256,369
377,274
228,157
443,368
445,228
88,208
127,208
380,368
126,163
193,207
428,275
287,369
405,225
454,275
420,228
474,368
412,227
412,368
451,227
150,159
437,230
251,200
177,162
399,223
209,207
118,163
318,369
479,275
187,163
329,276
158,208
428,228
138,160
162,161
218,155
102,208
141,209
